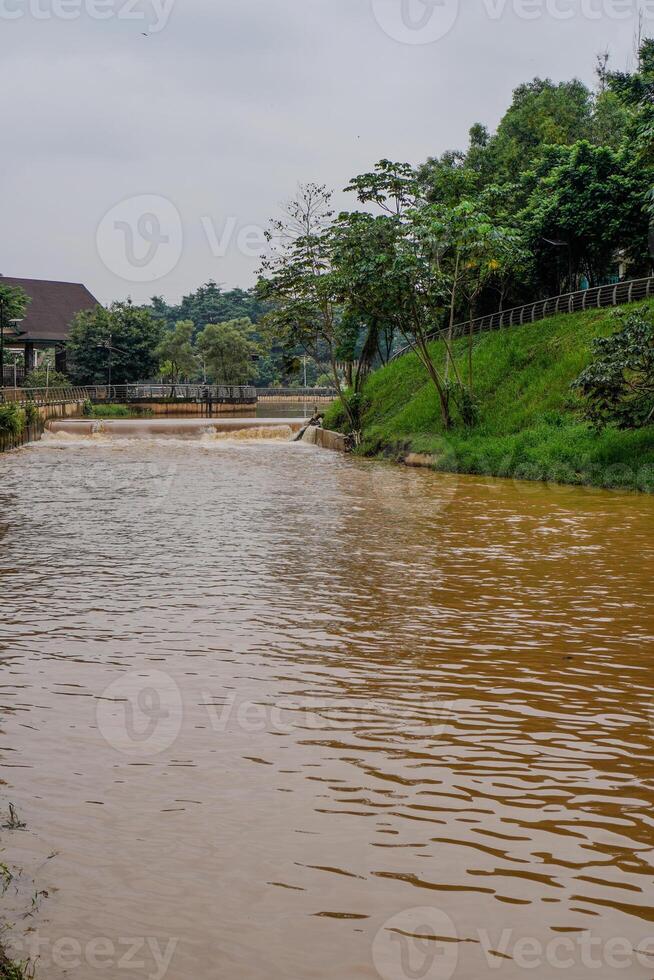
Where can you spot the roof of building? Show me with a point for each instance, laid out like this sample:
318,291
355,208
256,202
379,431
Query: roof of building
51,308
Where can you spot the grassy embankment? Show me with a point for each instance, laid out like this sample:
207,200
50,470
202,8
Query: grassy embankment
111,411
530,425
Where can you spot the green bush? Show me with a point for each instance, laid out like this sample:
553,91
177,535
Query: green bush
618,385
32,416
42,378
116,411
12,420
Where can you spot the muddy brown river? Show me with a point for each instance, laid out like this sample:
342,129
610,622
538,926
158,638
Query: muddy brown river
270,713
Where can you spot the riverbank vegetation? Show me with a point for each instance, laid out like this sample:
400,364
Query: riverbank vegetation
111,411
558,199
14,419
532,423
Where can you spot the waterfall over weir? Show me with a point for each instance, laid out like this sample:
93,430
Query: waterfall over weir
184,428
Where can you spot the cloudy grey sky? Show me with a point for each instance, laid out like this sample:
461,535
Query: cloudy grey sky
144,164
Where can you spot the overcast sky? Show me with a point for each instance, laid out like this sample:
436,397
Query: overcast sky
145,164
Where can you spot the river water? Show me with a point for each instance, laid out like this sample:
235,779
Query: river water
270,712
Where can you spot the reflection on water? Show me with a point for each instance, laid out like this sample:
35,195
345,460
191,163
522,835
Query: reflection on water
270,712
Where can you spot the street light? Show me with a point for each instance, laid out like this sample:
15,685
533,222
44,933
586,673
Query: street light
107,345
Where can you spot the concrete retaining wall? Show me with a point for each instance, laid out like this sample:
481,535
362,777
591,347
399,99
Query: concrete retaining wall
325,438
191,408
32,433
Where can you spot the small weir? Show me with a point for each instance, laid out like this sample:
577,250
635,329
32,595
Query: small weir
239,428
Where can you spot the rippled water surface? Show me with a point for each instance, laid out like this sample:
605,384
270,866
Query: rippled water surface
269,712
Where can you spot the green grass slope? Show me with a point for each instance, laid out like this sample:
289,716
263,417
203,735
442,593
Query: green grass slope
530,424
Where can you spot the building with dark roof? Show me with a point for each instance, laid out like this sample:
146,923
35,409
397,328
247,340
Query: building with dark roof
49,315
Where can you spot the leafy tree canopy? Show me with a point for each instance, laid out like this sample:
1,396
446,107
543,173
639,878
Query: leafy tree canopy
177,357
14,301
229,352
124,335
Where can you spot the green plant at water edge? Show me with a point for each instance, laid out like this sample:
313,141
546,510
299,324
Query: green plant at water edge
619,383
32,416
117,412
10,970
12,420
6,877
87,408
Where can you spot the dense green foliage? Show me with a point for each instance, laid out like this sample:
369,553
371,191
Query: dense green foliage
619,382
531,423
176,353
13,303
110,411
120,341
208,304
43,377
12,419
229,351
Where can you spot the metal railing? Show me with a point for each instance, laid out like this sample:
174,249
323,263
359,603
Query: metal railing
232,394
614,294
44,396
14,374
305,393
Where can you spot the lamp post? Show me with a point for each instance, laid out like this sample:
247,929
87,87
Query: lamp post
108,346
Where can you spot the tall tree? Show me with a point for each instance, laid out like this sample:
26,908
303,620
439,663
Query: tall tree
590,202
176,354
121,339
229,352
296,281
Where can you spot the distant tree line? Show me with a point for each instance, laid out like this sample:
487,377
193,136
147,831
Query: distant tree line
212,335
